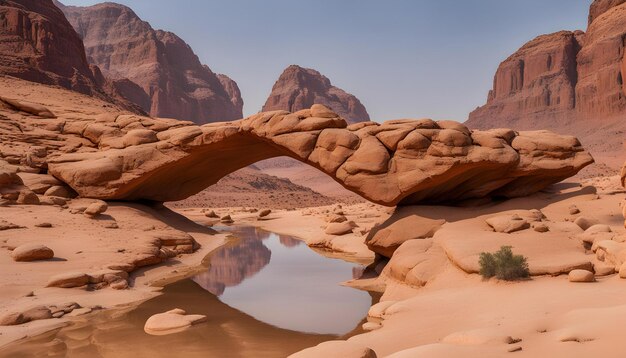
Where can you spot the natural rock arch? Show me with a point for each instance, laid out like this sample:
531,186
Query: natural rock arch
400,161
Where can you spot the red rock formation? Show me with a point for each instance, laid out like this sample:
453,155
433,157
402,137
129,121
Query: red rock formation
563,80
299,88
599,7
161,63
38,44
599,91
537,81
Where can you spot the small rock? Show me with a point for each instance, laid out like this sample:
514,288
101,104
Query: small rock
371,326
58,191
594,229
226,219
338,229
211,214
514,349
68,280
28,198
32,252
581,276
119,285
541,228
111,225
573,210
172,321
507,223
44,225
585,223
265,212
96,208
37,313
5,225
12,319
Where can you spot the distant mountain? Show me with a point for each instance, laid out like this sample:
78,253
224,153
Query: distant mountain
563,77
299,88
571,82
38,44
173,81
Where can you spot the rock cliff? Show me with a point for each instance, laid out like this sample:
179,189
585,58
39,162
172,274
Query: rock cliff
174,82
565,81
104,152
38,44
299,88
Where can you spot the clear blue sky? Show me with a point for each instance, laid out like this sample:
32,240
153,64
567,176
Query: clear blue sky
401,58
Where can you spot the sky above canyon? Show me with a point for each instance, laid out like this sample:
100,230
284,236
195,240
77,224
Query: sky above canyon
401,58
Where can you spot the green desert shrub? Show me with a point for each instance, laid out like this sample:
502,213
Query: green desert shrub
503,264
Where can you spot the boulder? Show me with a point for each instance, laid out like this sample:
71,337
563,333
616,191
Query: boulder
68,280
386,239
172,321
339,229
585,222
581,276
507,223
226,219
32,252
95,209
59,191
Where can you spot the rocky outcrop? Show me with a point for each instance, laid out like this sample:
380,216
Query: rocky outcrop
538,80
564,78
115,155
174,82
599,7
38,44
299,88
599,91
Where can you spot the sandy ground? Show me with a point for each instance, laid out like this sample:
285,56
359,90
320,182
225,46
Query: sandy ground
82,244
454,312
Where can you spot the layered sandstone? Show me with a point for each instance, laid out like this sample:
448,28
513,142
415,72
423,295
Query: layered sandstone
299,88
173,81
566,81
538,81
111,154
599,7
38,44
600,88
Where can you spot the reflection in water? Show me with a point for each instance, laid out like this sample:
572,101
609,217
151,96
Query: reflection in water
288,286
272,293
230,265
119,334
289,241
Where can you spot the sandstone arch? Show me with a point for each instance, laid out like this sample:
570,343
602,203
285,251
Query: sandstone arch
400,161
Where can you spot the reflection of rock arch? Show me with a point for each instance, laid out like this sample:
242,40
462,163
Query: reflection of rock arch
231,265
401,161
288,241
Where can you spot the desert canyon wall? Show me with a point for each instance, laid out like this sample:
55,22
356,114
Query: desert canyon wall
299,88
173,82
572,82
38,44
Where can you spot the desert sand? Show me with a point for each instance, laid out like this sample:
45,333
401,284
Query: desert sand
103,202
